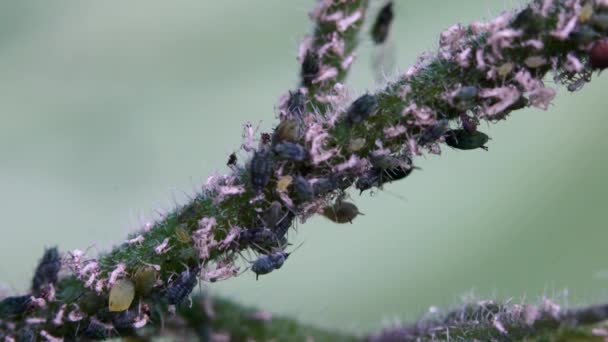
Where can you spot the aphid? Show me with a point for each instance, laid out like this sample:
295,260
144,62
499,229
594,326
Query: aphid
295,104
25,334
600,21
121,295
182,235
303,189
261,169
283,226
284,182
256,236
273,214
584,34
145,278
268,263
465,140
290,151
231,160
433,132
382,24
181,287
465,98
287,130
369,179
341,212
16,305
47,270
468,123
265,138
361,109
98,330
124,320
323,186
342,181
310,68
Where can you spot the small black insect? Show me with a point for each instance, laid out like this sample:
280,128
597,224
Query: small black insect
433,132
181,287
342,212
303,189
296,103
25,334
382,24
290,151
261,169
342,181
47,270
268,263
323,186
280,230
124,320
310,68
361,109
13,306
369,179
231,160
98,330
466,140
465,98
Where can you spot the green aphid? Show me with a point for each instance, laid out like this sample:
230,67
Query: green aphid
342,212
466,140
182,235
145,279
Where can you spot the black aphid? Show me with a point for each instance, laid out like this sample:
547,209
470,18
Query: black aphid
310,68
296,103
231,160
382,24
268,263
260,239
181,287
465,98
280,230
303,189
13,306
369,179
361,109
47,270
342,212
124,320
290,151
323,186
260,169
98,330
433,132
25,334
466,140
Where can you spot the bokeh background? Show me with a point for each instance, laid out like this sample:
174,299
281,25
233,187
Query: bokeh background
111,110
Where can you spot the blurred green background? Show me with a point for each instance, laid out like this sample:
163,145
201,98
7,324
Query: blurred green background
113,109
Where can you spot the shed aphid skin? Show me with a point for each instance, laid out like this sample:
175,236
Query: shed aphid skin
463,139
361,109
382,25
290,151
341,212
180,288
260,169
310,68
47,271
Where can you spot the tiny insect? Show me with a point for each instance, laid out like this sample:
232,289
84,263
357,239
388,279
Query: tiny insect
342,212
273,215
124,320
47,270
283,226
145,278
382,24
98,330
303,189
290,151
287,130
182,235
296,103
25,334
231,160
261,169
121,295
310,68
464,140
465,98
361,109
433,132
181,287
369,179
16,305
468,123
268,263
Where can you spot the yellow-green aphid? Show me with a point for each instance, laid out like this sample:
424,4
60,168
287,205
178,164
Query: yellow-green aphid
287,130
182,235
341,212
145,278
121,295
